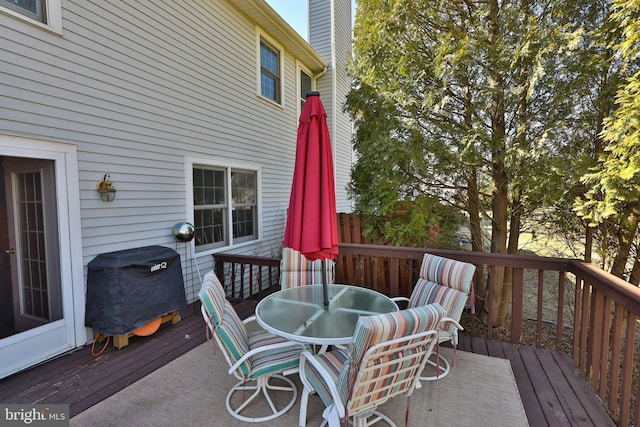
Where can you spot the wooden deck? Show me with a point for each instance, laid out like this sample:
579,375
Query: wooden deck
552,389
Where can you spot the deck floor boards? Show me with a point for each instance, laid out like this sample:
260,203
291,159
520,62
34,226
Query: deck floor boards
551,387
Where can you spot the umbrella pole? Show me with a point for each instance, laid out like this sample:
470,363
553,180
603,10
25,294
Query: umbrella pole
325,291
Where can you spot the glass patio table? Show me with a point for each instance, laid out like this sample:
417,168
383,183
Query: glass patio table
299,314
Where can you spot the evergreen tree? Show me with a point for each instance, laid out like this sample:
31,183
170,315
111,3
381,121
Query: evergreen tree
478,106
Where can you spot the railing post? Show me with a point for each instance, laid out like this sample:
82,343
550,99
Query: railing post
490,299
517,298
394,275
560,314
627,377
539,311
219,269
595,335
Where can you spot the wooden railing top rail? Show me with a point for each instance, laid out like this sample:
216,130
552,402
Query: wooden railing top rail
620,291
486,258
247,259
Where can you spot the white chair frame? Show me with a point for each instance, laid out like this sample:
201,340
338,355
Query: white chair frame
261,383
361,414
438,361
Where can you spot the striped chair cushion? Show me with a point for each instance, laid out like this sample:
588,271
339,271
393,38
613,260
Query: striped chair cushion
226,323
297,270
213,297
447,272
385,376
273,361
233,335
426,292
333,362
371,330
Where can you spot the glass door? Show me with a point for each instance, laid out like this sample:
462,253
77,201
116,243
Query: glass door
31,255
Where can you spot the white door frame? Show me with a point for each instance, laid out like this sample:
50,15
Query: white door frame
71,265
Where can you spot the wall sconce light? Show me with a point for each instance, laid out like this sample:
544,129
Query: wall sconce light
106,189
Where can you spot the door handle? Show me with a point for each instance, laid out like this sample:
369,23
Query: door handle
11,251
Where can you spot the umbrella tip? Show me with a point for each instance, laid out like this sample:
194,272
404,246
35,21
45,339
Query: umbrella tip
313,93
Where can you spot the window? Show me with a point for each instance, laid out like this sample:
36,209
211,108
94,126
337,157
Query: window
47,13
244,206
270,75
34,9
305,87
225,206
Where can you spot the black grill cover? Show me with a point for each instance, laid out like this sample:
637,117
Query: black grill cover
127,289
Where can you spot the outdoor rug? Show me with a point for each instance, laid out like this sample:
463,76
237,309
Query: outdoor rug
190,391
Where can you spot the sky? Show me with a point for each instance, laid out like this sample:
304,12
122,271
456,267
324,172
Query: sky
294,12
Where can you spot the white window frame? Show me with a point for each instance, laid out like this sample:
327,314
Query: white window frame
260,35
53,14
229,166
299,68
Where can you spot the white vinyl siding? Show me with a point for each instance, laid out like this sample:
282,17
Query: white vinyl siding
142,91
330,35
138,87
342,85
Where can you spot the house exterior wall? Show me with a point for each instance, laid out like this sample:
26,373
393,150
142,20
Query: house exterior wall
143,88
335,46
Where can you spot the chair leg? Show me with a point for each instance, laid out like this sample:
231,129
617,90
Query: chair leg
263,386
304,401
440,368
368,421
363,420
370,418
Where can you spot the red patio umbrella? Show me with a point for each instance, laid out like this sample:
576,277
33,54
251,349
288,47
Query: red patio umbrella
311,220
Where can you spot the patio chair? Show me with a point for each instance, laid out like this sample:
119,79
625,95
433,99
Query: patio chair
297,270
254,358
385,359
447,282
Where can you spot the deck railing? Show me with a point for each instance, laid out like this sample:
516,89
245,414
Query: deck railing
590,313
248,276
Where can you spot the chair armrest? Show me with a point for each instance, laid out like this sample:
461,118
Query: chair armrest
251,318
450,320
260,349
401,302
326,378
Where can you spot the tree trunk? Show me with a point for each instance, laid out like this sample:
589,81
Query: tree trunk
634,276
473,191
512,248
588,244
498,168
626,234
475,207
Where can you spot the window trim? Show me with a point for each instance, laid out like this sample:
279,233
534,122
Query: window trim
300,67
228,165
53,15
260,35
